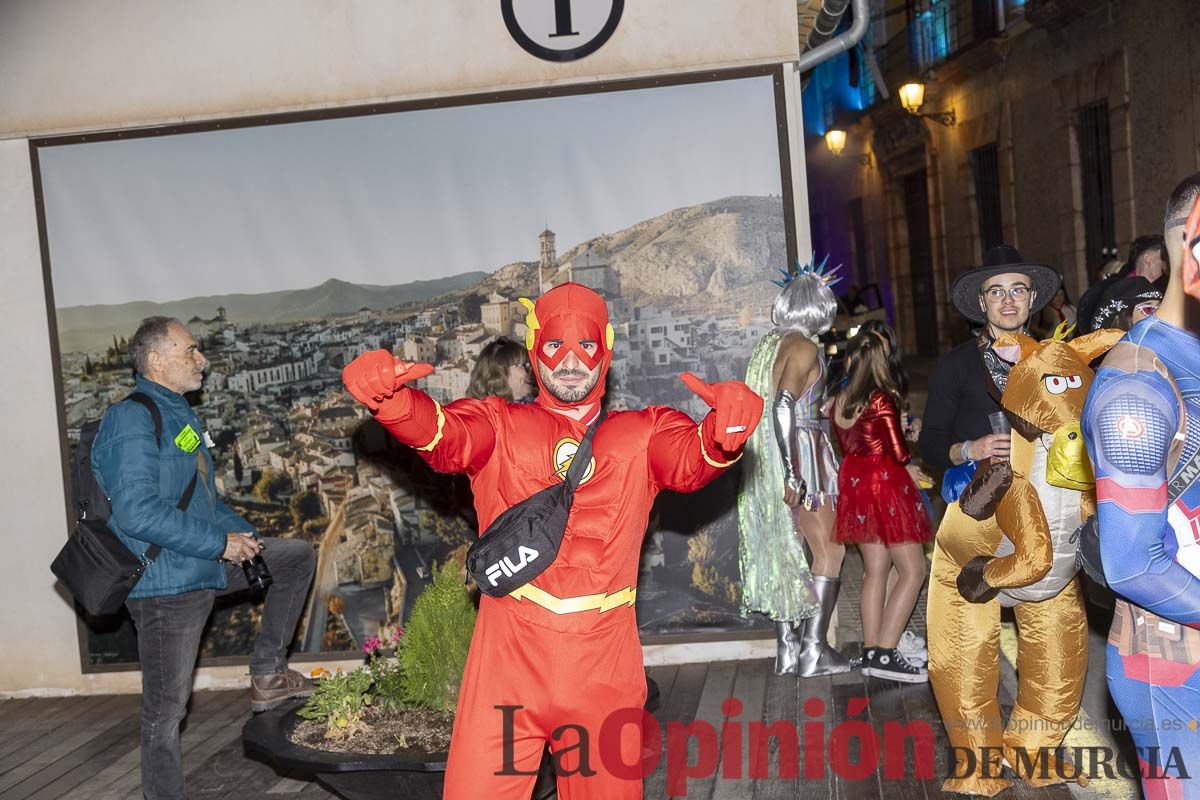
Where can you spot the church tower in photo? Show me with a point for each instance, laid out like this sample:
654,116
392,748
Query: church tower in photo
546,259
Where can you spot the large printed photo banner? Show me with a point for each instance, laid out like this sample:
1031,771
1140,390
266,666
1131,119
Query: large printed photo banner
289,249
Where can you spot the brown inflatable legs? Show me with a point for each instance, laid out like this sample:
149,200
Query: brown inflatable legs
964,670
1051,667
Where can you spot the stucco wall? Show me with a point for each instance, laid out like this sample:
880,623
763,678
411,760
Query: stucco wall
89,66
77,67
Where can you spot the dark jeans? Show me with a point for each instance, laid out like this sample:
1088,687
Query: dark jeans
168,633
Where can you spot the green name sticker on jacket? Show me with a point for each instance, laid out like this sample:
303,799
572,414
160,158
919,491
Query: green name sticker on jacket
188,440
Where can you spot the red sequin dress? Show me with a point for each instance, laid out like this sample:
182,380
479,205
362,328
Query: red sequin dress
877,500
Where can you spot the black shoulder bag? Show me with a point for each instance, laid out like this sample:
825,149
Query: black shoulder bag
523,541
95,565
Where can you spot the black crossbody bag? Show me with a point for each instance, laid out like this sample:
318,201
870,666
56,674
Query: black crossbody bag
95,565
523,541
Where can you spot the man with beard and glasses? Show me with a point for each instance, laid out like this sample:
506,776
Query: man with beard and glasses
561,652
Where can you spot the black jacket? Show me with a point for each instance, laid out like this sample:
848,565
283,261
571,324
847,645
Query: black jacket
961,395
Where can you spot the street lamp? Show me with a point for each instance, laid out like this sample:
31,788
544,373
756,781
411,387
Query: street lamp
835,140
912,97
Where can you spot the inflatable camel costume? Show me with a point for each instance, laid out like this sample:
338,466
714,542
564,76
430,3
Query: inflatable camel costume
1009,541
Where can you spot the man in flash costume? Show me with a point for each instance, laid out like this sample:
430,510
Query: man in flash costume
790,482
563,650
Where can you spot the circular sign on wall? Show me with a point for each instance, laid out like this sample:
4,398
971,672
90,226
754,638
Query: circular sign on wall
561,30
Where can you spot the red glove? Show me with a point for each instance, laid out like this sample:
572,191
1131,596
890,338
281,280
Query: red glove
736,410
376,376
1191,252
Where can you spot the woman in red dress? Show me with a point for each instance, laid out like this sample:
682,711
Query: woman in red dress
879,506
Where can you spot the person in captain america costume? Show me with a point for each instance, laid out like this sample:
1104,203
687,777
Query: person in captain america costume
557,656
1142,427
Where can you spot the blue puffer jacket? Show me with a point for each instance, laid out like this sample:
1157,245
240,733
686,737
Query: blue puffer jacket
144,483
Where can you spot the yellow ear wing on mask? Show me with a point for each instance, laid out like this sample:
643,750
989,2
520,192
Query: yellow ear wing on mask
531,321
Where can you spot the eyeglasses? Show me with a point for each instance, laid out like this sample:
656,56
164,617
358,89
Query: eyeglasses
996,294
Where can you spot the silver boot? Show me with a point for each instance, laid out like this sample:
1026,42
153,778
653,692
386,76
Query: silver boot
787,652
816,656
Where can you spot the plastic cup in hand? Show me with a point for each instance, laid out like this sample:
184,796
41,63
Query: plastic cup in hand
1000,424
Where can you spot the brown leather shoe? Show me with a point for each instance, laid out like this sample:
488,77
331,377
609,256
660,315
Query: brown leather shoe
268,691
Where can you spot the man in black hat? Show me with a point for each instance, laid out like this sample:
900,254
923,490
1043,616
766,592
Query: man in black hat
966,385
999,297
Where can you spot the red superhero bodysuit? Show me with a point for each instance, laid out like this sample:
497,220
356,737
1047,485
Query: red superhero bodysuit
562,650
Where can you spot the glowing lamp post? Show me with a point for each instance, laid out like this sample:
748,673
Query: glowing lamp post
912,97
835,140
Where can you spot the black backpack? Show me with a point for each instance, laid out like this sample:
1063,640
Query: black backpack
95,565
523,541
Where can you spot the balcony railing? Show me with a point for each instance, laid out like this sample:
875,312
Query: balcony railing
938,31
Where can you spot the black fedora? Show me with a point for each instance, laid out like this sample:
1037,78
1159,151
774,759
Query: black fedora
1001,259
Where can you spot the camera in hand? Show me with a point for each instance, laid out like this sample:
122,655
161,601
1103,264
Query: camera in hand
257,574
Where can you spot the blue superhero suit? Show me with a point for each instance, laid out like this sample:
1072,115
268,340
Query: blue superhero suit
1142,427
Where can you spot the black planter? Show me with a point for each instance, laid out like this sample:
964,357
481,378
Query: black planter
412,774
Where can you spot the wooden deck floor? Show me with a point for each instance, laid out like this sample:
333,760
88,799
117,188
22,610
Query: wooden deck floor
86,748
697,691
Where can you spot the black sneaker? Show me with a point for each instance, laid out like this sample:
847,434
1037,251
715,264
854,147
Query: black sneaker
891,665
867,659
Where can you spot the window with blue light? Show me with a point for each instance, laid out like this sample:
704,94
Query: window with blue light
841,87
931,35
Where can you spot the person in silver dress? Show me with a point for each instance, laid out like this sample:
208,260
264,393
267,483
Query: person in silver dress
790,483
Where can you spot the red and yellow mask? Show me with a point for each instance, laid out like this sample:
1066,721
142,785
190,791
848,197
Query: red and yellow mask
572,314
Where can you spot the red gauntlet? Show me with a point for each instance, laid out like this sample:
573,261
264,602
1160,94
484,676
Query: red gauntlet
375,377
736,412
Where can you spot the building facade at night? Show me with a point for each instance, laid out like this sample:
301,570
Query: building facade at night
1058,126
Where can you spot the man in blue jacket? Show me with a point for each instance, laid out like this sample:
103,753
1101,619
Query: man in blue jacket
203,547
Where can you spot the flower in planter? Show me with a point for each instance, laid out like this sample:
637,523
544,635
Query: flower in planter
340,701
420,678
319,672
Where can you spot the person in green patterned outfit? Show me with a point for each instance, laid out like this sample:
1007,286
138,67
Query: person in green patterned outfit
790,483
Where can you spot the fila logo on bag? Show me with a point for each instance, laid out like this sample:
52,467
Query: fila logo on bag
505,566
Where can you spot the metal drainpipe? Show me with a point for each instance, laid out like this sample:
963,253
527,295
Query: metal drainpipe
826,23
840,44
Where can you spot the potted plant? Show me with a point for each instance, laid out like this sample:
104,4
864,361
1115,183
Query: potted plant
383,729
